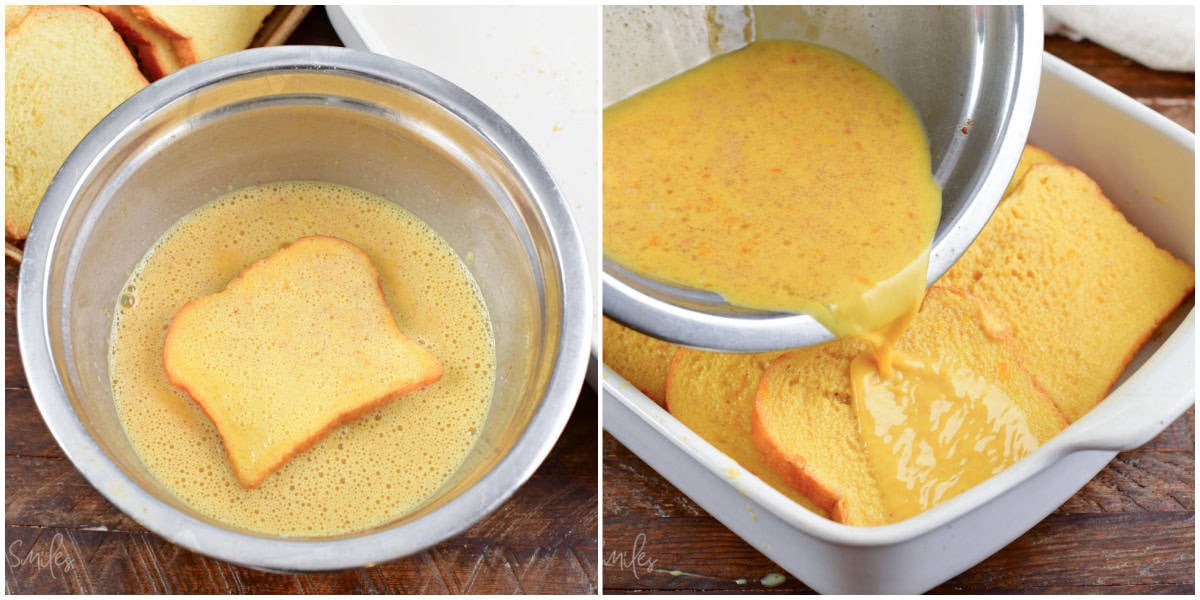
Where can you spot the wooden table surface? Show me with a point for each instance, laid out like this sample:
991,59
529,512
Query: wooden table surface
1130,530
61,536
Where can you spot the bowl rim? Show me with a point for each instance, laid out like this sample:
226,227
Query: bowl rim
303,555
761,331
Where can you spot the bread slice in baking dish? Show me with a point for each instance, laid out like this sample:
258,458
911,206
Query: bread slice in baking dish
1081,286
66,68
713,394
1066,285
295,345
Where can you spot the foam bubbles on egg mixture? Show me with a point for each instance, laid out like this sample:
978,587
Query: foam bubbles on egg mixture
366,473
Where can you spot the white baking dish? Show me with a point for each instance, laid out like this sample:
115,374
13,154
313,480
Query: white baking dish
1145,164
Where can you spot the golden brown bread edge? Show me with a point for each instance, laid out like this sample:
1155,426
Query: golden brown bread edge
155,51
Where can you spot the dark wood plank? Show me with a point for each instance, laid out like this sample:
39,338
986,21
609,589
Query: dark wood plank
690,554
25,433
1122,553
315,30
1140,482
50,492
14,373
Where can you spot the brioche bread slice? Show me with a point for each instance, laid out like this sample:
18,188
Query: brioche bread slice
640,359
203,32
805,424
65,70
713,394
1081,286
154,50
295,345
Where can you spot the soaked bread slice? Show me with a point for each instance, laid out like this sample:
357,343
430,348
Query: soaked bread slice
1082,288
806,427
66,69
713,394
964,331
295,345
642,360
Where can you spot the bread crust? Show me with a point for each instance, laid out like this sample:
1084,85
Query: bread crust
794,469
157,57
146,15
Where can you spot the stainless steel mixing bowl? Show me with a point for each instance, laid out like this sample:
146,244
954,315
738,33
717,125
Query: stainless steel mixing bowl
329,114
970,72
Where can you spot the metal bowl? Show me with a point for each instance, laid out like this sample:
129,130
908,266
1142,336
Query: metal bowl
328,114
970,72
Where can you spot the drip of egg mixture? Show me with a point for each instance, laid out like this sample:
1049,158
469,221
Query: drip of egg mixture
786,176
366,473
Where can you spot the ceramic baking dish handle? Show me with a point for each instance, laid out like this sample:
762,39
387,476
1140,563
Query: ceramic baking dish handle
1141,407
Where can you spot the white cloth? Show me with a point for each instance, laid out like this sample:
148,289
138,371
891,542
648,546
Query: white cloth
1159,37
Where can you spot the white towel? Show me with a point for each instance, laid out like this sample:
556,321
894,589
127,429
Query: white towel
1159,37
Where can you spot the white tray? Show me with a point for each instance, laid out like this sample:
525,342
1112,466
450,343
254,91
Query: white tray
1146,165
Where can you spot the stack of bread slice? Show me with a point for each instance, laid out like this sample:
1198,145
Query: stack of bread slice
67,67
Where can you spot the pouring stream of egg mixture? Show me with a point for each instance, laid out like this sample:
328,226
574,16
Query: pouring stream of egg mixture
787,176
